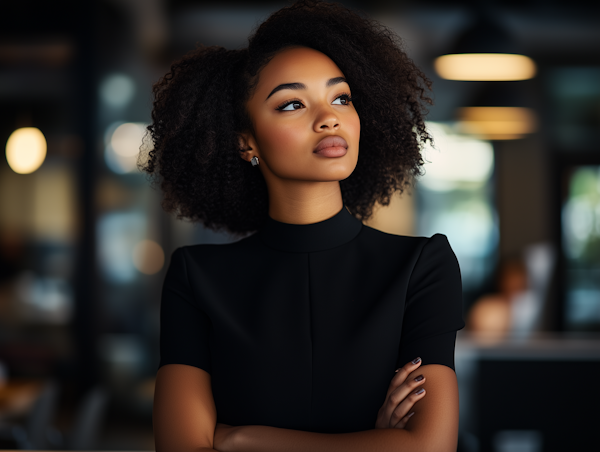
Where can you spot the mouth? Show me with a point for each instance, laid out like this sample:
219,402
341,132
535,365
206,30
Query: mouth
332,146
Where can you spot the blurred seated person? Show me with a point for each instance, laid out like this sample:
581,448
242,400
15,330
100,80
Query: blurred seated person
497,314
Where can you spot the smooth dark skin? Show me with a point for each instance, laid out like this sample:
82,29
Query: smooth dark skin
304,188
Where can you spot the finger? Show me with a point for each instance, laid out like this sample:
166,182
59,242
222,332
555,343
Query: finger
402,374
392,402
405,407
404,420
401,392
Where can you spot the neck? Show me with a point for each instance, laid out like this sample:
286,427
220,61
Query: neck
297,202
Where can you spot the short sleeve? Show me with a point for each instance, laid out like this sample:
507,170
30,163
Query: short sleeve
433,310
184,327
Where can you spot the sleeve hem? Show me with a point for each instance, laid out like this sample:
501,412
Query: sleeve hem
183,363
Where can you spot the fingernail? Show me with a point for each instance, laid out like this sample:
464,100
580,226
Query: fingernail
419,378
416,361
420,391
411,414
398,369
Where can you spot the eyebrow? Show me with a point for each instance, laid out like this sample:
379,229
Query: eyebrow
298,86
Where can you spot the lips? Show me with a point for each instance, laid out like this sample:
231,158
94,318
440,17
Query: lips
332,146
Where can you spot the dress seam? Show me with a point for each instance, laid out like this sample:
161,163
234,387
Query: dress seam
310,322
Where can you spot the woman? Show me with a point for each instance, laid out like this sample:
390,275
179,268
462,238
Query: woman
288,339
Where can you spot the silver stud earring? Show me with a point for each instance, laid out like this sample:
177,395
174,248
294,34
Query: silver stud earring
254,161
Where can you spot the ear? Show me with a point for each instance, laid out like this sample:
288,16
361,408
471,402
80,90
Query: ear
248,148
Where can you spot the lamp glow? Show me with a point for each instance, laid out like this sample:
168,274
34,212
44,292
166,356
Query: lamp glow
125,144
485,67
497,123
26,150
127,139
148,257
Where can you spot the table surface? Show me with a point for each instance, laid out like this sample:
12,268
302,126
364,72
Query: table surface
553,346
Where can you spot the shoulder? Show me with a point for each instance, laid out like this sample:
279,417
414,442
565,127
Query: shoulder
204,254
421,247
211,249
385,238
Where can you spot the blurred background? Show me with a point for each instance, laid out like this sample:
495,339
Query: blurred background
513,180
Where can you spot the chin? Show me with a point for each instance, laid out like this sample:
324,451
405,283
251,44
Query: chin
341,171
338,175
320,171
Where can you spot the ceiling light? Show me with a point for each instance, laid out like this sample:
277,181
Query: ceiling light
485,51
485,67
496,123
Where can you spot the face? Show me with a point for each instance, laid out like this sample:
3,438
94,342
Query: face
305,124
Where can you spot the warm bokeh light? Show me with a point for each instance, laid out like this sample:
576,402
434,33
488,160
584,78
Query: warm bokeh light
123,143
127,139
26,150
496,123
485,67
148,257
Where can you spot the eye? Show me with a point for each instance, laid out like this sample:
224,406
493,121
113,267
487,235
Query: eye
342,99
290,106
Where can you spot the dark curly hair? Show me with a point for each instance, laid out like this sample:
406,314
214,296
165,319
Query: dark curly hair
199,108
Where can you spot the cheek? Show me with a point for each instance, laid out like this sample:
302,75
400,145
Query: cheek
354,127
282,142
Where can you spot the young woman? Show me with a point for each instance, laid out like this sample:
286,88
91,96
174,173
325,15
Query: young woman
288,339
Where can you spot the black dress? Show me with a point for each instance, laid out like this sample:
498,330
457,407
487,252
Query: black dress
302,326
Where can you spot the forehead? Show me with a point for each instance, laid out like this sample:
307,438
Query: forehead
297,64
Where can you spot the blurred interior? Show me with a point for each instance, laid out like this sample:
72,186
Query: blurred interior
513,180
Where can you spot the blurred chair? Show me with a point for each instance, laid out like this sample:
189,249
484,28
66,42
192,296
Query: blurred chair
86,425
32,435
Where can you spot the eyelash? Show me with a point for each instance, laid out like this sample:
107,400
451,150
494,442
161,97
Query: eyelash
289,102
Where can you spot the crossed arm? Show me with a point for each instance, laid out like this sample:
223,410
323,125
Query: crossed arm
185,420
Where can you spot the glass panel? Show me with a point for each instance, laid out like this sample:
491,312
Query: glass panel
454,198
581,246
574,96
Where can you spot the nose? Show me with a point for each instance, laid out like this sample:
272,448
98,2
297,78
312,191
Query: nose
326,120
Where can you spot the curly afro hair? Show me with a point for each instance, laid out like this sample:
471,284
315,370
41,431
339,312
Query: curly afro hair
199,108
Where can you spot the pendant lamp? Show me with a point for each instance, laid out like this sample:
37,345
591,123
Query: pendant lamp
498,111
484,52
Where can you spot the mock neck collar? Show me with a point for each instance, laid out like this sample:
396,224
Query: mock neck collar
309,238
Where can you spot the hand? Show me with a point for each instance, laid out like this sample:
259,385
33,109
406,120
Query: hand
400,398
224,437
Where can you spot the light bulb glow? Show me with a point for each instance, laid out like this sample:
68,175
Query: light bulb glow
125,144
485,67
127,139
26,150
496,123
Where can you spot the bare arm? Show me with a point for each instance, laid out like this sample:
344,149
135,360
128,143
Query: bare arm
433,428
184,415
